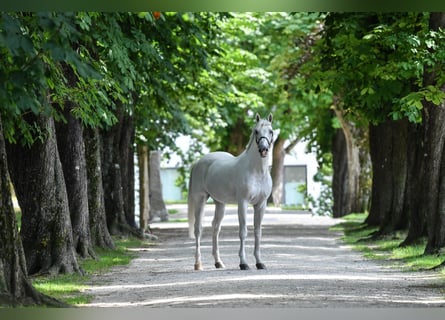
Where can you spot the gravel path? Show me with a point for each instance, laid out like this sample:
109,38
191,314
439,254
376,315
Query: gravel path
307,266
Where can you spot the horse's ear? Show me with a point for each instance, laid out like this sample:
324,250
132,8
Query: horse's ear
270,117
257,117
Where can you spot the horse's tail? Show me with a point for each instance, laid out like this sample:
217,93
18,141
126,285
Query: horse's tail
191,208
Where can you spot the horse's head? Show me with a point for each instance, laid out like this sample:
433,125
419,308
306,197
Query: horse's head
263,134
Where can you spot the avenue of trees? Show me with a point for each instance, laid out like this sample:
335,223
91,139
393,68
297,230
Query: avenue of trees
82,93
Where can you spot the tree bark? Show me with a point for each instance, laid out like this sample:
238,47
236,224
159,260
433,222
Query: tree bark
277,171
37,175
157,204
15,286
389,151
365,178
380,151
340,181
434,173
112,179
112,182
72,156
98,223
397,218
126,161
414,193
434,121
346,162
238,138
144,191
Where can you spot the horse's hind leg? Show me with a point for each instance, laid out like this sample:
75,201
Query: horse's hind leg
216,226
199,204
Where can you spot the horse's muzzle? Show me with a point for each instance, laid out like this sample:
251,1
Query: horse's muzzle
263,151
263,146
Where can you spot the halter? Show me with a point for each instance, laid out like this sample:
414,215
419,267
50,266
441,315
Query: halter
263,137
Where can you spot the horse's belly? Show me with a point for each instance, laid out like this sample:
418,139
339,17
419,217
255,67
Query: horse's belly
222,190
231,189
221,184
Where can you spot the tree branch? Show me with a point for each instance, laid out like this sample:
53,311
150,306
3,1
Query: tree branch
292,145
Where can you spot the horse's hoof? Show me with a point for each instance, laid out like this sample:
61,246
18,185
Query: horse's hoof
219,265
198,266
244,266
260,266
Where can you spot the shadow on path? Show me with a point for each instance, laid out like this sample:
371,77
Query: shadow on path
308,266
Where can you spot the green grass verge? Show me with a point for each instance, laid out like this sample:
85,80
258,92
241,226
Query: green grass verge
409,258
70,288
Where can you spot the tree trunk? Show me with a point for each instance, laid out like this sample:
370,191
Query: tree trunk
434,174
414,192
126,161
436,225
15,287
157,204
389,150
96,203
277,172
397,217
112,182
434,121
237,137
144,191
365,178
112,179
72,156
380,142
340,181
37,175
346,161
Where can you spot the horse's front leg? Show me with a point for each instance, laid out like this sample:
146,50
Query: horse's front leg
216,226
257,220
242,213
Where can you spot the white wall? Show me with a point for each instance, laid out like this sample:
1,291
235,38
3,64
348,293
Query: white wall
299,156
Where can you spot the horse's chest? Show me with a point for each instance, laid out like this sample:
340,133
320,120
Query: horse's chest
257,188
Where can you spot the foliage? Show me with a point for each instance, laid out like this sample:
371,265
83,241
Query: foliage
147,66
382,56
257,69
183,43
32,48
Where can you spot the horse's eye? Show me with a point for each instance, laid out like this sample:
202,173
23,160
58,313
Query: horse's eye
271,132
256,131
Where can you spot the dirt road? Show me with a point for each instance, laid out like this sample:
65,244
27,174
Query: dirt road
307,266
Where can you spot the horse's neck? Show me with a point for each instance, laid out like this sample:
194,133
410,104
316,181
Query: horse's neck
255,162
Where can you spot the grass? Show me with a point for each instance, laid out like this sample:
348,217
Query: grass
293,207
173,211
387,248
70,288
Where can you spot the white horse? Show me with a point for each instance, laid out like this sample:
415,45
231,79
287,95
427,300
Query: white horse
227,179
